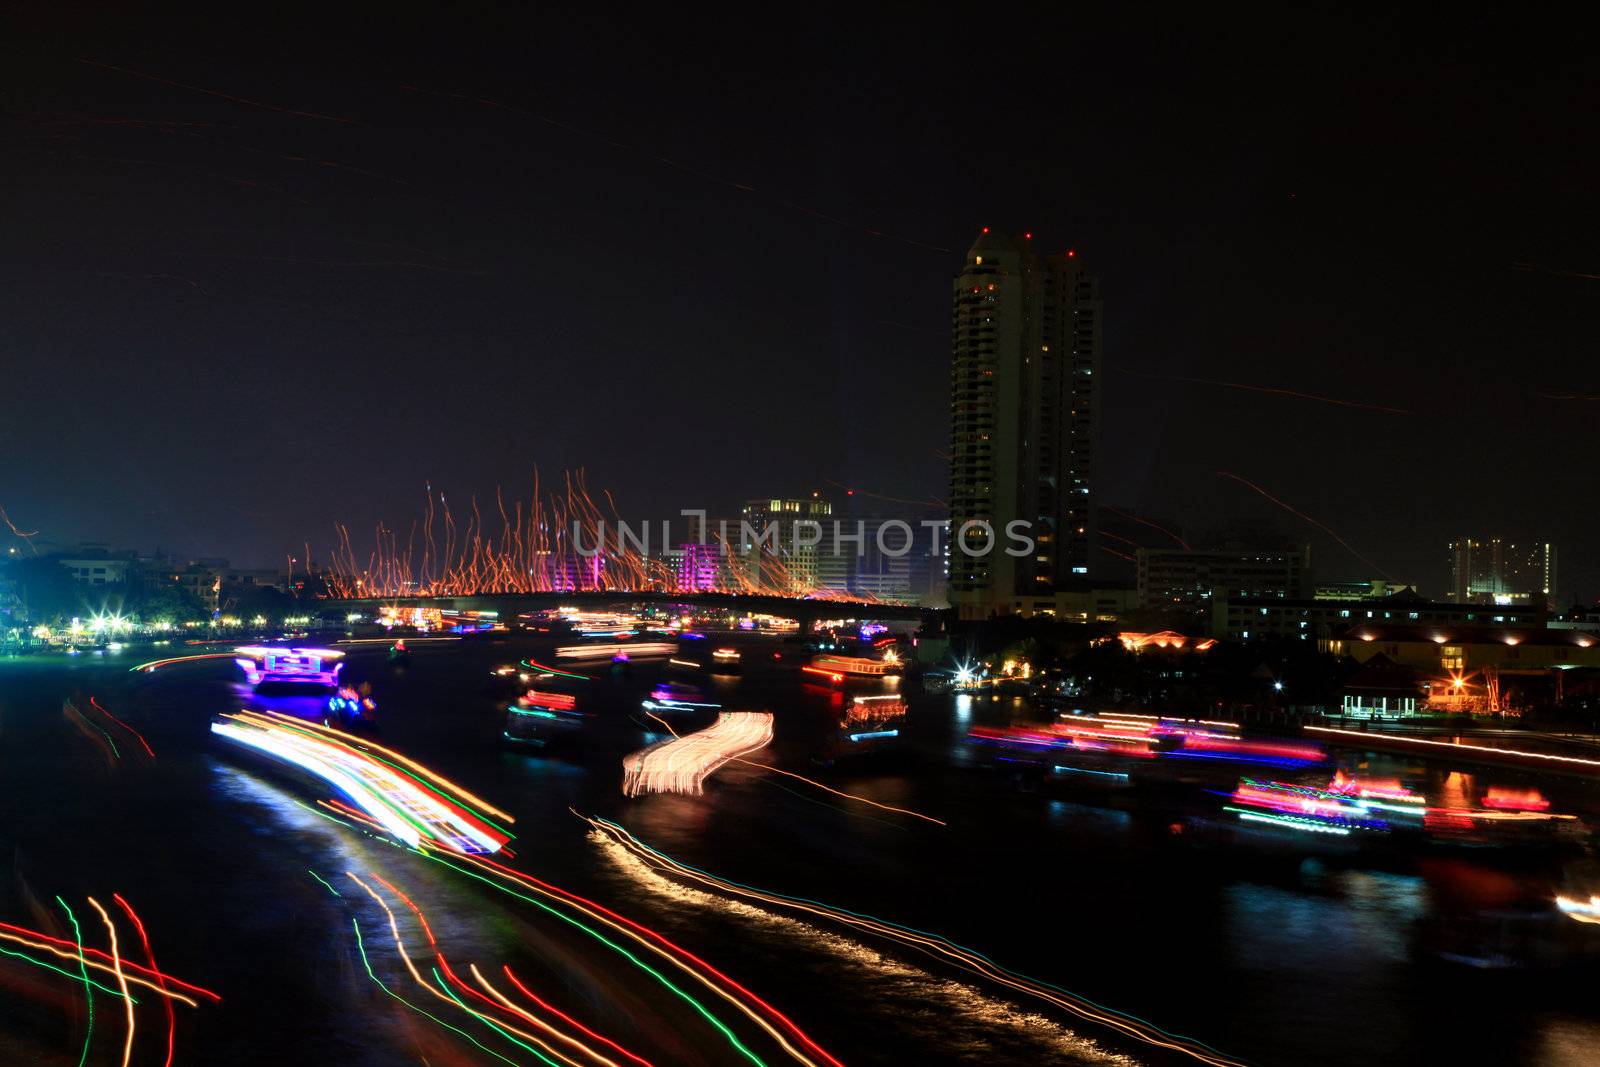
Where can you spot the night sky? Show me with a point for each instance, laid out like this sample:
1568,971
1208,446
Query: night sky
266,277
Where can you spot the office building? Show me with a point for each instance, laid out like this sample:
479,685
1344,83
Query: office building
1250,618
1497,571
1024,405
1192,580
770,542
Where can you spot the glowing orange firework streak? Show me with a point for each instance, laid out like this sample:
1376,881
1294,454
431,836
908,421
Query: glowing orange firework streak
554,543
671,951
812,781
122,980
1302,515
150,957
683,764
931,944
433,942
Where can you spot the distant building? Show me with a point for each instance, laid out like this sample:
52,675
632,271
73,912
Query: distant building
698,567
768,542
1496,571
100,571
1024,409
201,580
1370,589
1457,651
1248,618
1193,580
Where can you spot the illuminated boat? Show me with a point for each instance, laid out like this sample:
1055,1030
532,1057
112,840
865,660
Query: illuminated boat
871,724
612,649
541,718
305,666
838,668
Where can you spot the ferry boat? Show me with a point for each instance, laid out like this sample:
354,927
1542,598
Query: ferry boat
539,718
304,666
838,668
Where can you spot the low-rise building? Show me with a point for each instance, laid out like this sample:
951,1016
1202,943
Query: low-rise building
1445,651
1248,618
99,571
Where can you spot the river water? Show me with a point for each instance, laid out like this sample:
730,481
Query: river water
1272,953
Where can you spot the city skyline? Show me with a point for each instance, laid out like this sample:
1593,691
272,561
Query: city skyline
280,276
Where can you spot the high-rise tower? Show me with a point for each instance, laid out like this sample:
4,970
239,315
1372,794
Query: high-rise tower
1024,416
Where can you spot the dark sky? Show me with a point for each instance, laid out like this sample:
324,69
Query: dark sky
337,262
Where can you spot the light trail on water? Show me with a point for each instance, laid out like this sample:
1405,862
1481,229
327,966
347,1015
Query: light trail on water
933,945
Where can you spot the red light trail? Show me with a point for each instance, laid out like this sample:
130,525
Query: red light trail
1324,527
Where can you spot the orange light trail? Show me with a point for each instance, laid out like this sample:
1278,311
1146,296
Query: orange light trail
122,980
565,540
1324,527
100,960
1146,522
150,958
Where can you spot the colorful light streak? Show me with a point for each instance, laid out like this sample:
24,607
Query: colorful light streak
813,782
1515,800
156,664
122,973
1583,911
858,666
541,1048
534,698
96,705
1460,748
554,901
1302,807
682,764
628,648
411,804
933,945
557,671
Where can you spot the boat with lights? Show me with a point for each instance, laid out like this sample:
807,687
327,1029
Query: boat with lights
542,718
266,664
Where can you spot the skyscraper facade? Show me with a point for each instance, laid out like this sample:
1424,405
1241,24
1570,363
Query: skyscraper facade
1024,419
1496,571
